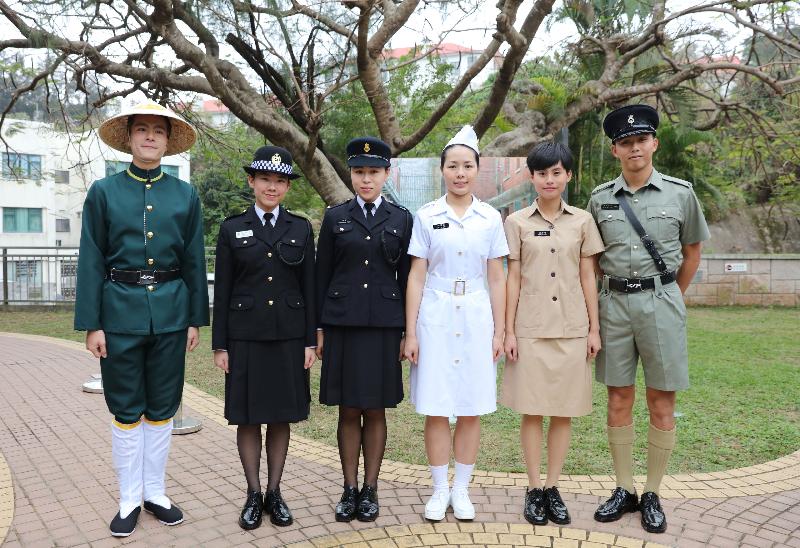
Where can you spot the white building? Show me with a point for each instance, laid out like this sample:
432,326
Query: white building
43,182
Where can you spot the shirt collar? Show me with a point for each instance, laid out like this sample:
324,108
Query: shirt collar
655,180
563,209
377,203
260,212
143,175
441,206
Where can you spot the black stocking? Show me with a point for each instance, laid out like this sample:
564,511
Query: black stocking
373,439
348,434
248,440
276,444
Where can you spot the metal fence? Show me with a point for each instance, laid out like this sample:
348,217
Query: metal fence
49,275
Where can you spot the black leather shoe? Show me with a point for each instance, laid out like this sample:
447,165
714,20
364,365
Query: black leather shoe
554,507
621,501
653,518
250,518
368,507
534,510
346,509
274,505
123,527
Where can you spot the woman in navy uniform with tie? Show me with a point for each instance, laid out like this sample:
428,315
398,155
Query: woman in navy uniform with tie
362,268
264,327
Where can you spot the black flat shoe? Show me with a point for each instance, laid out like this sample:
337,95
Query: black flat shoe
250,517
123,527
274,505
534,510
620,502
346,509
368,507
653,518
167,516
556,509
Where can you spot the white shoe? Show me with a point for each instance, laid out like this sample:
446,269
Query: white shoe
462,506
436,507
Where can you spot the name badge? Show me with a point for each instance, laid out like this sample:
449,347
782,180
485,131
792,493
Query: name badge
541,233
609,206
343,221
443,225
244,233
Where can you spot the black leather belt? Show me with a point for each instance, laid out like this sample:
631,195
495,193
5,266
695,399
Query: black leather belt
635,285
143,277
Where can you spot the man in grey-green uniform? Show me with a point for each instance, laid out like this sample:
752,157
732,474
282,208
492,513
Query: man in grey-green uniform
645,270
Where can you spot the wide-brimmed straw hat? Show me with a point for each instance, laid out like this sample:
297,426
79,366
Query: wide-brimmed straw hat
114,131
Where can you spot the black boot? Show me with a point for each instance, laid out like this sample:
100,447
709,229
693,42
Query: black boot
534,510
554,506
346,509
653,518
620,502
250,517
274,505
368,507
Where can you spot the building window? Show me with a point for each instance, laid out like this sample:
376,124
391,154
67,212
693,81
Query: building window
27,166
61,176
22,219
114,167
62,225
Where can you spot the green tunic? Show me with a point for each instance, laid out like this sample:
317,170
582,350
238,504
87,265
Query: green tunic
130,224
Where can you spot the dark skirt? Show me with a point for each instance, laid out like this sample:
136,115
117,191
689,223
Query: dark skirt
266,382
360,367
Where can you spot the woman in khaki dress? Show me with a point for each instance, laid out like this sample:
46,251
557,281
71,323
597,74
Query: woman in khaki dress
552,328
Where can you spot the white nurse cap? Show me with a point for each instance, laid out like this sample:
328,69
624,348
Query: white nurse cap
466,136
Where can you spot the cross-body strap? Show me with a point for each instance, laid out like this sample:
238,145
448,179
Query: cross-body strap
648,242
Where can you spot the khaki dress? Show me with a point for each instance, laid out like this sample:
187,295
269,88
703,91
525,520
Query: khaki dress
552,376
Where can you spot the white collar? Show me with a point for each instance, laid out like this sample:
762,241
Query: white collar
260,213
377,203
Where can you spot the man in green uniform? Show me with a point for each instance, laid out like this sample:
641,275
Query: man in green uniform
652,226
142,294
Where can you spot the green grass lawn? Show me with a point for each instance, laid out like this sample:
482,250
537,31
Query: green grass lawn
743,406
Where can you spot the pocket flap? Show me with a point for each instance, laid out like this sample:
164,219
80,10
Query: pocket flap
294,300
247,241
390,292
664,212
610,216
241,302
342,228
337,292
393,231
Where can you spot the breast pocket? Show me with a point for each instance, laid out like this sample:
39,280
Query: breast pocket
392,244
614,227
291,252
664,224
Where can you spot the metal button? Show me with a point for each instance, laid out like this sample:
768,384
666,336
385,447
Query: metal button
552,250
458,361
151,288
458,307
552,274
150,261
636,200
366,285
460,252
555,298
270,302
610,216
394,230
664,213
341,229
269,278
636,247
244,242
149,234
149,207
335,293
240,305
368,238
148,186
269,255
635,273
291,241
366,261
458,334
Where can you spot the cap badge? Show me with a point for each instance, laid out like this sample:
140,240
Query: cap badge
276,158
366,147
630,119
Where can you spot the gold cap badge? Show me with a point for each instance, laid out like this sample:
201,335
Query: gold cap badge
630,119
276,158
366,147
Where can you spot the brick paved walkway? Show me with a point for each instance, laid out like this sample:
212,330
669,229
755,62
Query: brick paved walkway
57,487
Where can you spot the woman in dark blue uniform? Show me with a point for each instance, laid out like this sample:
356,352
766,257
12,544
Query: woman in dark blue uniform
362,268
264,327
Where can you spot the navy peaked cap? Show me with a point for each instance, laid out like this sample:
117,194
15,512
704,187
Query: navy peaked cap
630,120
368,152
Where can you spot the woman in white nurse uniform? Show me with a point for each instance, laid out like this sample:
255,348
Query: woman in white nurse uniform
455,319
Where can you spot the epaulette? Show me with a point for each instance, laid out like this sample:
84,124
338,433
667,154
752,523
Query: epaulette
398,206
235,215
602,187
676,181
303,215
429,204
337,205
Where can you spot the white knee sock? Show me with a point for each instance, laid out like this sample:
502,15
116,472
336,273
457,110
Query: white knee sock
157,439
463,475
127,451
439,474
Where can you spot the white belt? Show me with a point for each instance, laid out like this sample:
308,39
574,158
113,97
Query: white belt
455,286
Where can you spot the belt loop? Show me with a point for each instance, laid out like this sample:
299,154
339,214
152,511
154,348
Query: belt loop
605,283
659,289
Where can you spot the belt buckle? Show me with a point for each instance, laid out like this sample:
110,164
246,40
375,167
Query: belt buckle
460,287
146,277
636,285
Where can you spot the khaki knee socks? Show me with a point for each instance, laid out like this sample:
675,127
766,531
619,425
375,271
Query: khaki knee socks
620,443
659,447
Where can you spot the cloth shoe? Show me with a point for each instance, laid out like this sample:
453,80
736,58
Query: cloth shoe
157,440
252,512
653,518
168,515
534,510
436,507
554,506
620,502
462,506
127,451
123,527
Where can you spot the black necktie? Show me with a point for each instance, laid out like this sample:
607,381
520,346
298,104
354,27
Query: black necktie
368,206
268,222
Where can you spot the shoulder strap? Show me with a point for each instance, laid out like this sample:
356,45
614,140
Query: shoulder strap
648,242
